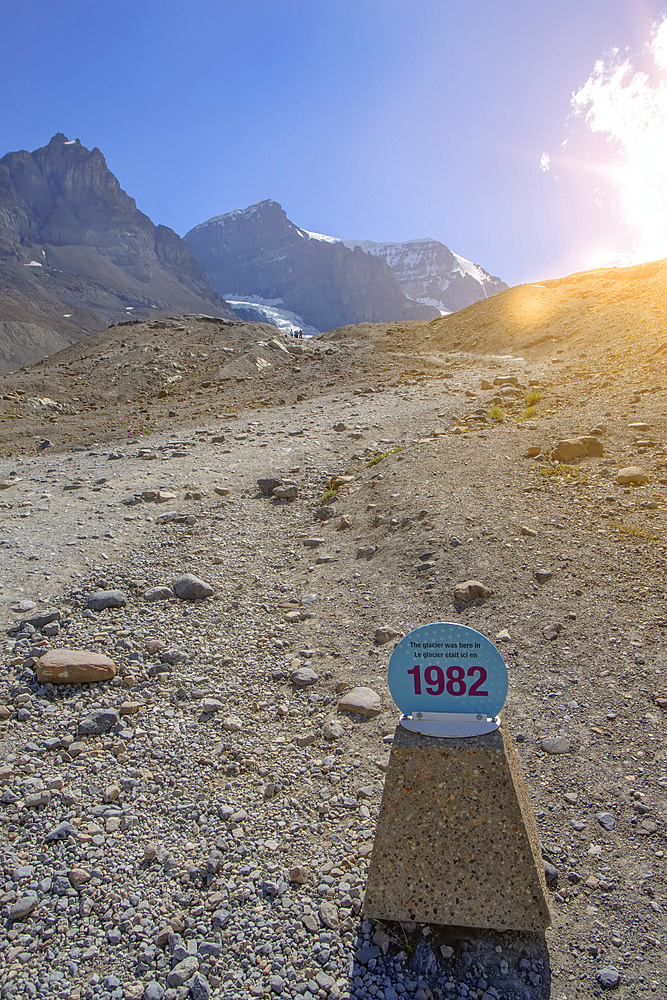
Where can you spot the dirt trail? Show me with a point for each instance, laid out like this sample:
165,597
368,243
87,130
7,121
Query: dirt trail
434,481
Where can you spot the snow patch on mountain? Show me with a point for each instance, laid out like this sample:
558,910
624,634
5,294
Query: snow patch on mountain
319,236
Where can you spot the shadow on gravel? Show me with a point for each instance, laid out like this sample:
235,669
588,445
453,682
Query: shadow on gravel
444,963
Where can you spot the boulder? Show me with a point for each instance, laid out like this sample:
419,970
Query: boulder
190,588
74,666
571,449
159,594
471,590
631,476
362,701
268,484
102,599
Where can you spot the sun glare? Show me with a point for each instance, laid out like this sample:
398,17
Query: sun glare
628,106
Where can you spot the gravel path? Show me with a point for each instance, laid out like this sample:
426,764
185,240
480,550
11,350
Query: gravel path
213,839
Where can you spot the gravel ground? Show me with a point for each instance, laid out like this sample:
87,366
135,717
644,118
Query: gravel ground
213,838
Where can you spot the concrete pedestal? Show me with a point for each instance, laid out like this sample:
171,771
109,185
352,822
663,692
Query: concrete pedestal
456,842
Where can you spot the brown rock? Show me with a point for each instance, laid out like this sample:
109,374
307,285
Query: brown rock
362,700
570,449
74,666
385,633
344,523
155,645
78,876
298,874
305,740
129,708
631,476
324,513
286,492
471,590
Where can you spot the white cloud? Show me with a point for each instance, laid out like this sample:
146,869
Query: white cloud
628,106
545,162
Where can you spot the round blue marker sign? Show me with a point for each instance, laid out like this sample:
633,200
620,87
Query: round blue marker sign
447,668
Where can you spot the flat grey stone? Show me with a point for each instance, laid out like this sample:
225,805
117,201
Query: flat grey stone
98,722
102,599
556,744
43,618
23,907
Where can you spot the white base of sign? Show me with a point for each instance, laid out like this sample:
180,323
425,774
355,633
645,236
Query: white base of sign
449,724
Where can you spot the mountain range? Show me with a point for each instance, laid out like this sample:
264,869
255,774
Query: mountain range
77,255
263,263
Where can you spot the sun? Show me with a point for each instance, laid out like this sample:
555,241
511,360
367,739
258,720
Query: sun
628,106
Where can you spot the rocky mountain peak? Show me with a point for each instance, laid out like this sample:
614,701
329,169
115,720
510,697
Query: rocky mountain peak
77,254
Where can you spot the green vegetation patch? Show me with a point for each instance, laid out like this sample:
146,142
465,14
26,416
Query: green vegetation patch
384,454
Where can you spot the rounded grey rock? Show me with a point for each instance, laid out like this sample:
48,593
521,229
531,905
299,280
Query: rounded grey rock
183,971
153,991
159,594
190,588
606,820
303,677
268,484
609,977
333,729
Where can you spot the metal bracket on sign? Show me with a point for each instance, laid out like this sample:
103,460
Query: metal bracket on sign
449,724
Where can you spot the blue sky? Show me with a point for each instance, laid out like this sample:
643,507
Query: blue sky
368,118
